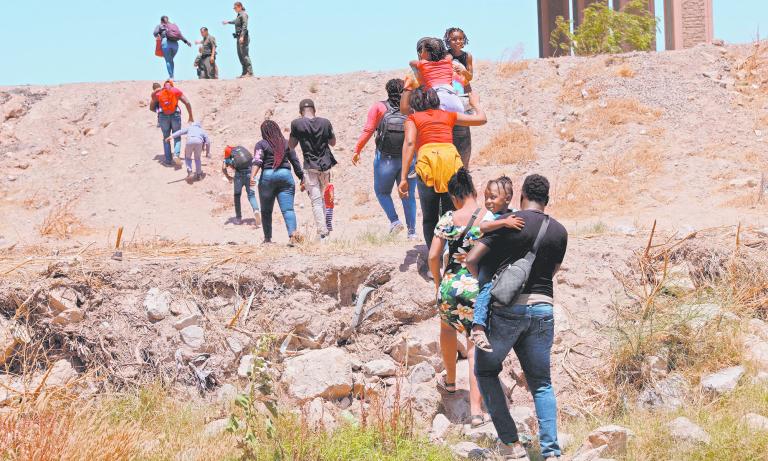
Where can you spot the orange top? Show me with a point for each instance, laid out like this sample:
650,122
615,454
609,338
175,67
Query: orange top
436,73
433,126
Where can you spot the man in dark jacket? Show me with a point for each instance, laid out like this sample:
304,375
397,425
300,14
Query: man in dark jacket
243,40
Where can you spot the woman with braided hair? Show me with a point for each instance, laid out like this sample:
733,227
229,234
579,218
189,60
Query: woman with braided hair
386,120
274,158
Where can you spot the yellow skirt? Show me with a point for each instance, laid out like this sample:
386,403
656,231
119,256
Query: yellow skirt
436,164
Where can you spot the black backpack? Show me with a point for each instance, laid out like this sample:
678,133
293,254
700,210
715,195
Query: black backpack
241,158
390,134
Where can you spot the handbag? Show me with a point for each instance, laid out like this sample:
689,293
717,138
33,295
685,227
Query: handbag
510,280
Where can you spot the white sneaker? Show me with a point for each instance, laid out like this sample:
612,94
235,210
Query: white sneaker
396,227
413,236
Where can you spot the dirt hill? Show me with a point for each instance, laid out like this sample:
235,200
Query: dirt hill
673,137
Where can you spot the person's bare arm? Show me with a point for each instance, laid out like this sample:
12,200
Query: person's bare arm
153,103
409,147
435,259
475,255
405,102
293,142
186,103
476,119
511,222
332,142
469,73
225,170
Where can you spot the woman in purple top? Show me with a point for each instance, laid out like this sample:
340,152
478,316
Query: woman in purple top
274,158
170,35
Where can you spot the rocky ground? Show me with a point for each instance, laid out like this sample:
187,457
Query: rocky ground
676,138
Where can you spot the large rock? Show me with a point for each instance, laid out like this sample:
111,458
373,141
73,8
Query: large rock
245,366
756,350
187,321
667,394
418,343
469,450
423,398
381,367
723,381
759,328
68,317
157,304
701,314
605,440
323,373
215,427
319,416
755,422
684,430
60,374
422,373
484,434
440,427
193,336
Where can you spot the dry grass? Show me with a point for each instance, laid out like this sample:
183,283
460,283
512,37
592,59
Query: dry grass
516,145
511,68
625,71
61,221
580,84
314,88
606,117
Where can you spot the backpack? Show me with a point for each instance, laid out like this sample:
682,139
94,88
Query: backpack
167,100
172,32
241,158
390,134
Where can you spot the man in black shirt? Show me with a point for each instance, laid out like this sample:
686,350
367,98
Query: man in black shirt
316,137
527,324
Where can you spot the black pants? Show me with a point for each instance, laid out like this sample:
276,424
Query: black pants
433,205
462,139
242,54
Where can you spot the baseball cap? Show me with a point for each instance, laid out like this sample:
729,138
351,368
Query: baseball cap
227,151
306,103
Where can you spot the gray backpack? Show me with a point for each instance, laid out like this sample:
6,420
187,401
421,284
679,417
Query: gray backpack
509,282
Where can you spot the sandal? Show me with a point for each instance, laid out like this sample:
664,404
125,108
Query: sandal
445,386
481,340
478,420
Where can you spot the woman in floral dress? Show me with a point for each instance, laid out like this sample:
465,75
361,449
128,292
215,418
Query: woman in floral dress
456,288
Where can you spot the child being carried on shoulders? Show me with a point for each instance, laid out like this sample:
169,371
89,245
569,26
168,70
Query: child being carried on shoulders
434,69
498,196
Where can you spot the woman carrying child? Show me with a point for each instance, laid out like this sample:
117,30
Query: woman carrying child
456,287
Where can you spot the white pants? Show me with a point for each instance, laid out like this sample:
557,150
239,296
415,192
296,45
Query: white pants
315,182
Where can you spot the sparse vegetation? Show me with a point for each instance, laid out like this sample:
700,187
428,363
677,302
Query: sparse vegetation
625,71
61,221
605,31
514,145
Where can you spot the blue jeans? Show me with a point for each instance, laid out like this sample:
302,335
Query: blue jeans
386,173
529,330
277,184
483,300
433,205
243,179
170,48
170,124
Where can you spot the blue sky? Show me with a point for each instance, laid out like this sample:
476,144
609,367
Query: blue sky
60,41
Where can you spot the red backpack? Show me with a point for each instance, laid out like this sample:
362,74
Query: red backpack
168,100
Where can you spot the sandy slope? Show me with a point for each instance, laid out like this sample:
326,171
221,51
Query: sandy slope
701,144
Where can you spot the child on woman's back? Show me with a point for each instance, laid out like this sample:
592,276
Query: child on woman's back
498,195
434,69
